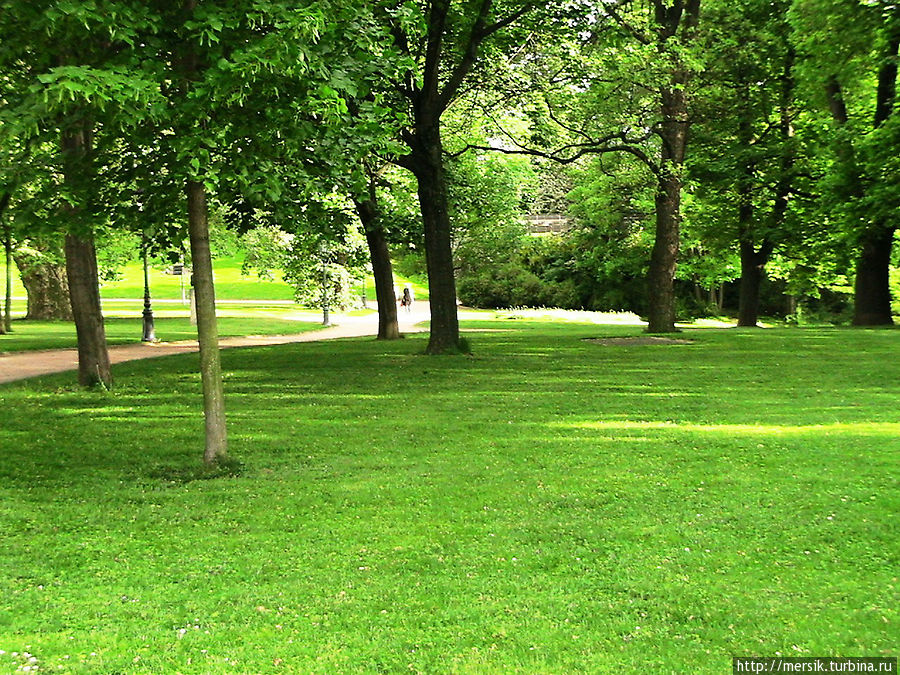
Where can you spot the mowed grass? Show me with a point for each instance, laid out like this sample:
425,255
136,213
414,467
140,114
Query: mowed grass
231,285
550,505
35,335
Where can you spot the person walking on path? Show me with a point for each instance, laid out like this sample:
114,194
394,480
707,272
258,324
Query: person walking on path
407,299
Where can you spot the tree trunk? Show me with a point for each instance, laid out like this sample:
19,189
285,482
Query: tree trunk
663,259
753,264
207,329
84,293
753,261
388,329
46,287
81,264
428,167
675,121
872,292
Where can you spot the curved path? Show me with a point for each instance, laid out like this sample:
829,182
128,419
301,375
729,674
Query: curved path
22,365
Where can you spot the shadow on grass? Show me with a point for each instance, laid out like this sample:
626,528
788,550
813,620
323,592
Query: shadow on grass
181,475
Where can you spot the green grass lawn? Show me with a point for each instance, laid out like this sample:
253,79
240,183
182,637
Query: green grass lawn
30,335
230,283
550,505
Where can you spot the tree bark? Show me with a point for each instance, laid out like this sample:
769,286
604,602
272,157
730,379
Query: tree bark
47,289
84,292
753,263
675,121
81,267
388,328
664,258
872,291
207,329
427,165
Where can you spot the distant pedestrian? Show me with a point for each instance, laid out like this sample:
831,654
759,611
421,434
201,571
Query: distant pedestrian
407,299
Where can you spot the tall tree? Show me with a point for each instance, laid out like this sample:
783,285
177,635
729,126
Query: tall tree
620,82
850,51
369,211
671,28
445,41
78,61
745,166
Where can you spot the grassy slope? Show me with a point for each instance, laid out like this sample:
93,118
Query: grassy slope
230,285
549,505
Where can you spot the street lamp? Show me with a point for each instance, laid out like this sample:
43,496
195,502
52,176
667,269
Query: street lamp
149,329
323,252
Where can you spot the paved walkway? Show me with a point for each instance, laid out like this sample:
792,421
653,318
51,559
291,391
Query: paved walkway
22,365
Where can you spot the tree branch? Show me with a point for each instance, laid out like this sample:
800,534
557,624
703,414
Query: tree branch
611,11
479,32
580,150
437,22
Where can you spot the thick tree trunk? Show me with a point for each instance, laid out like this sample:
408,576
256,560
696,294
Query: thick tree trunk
84,292
663,259
872,290
753,264
388,328
675,121
207,329
428,167
872,287
872,294
47,289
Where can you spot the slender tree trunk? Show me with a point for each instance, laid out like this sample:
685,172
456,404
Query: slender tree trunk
81,269
388,328
872,285
207,329
428,167
7,305
84,292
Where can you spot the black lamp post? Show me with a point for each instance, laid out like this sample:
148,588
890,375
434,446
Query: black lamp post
326,320
149,329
